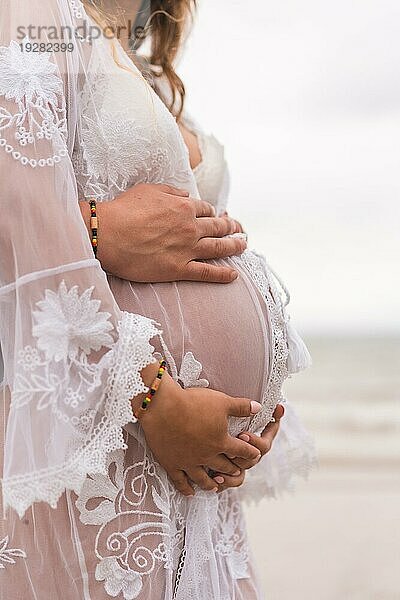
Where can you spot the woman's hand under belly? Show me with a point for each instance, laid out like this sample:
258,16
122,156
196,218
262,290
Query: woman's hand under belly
187,428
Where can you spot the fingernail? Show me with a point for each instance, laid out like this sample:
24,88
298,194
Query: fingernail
244,437
236,473
215,489
255,407
219,479
234,275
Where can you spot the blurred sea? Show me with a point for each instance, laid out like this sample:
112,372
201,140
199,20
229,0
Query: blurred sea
350,399
338,536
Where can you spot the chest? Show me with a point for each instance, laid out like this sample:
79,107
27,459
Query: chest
125,135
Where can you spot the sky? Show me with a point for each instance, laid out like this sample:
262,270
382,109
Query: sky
306,98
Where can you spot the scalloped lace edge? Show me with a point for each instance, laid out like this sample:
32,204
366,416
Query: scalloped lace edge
48,485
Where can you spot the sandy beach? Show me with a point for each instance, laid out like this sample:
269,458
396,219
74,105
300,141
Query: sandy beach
338,537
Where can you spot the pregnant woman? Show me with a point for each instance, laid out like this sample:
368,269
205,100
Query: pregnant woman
128,507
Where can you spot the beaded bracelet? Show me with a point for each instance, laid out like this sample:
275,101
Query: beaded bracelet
93,225
153,388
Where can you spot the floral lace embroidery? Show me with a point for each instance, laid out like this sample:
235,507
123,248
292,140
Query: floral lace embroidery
8,555
31,80
67,323
61,382
64,324
132,538
231,537
118,580
216,529
142,520
128,149
140,516
190,371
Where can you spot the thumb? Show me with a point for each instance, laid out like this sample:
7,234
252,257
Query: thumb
242,407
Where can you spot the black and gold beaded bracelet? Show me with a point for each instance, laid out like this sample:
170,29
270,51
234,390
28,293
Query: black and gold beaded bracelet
153,388
94,223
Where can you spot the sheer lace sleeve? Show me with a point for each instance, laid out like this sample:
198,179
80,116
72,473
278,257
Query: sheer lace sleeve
72,359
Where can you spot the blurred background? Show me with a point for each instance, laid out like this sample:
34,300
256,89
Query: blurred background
306,97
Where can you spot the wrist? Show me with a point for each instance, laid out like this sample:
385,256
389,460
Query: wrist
164,402
148,374
105,228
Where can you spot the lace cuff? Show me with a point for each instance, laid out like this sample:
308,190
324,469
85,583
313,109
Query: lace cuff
291,457
101,433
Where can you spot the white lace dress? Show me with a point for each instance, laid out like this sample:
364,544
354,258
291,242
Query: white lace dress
117,527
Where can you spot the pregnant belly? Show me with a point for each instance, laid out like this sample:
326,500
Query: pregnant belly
216,333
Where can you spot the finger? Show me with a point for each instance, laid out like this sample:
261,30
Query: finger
181,482
279,412
271,430
199,271
224,466
242,407
244,464
241,449
263,443
199,476
255,440
226,481
169,189
215,227
203,208
269,434
210,247
239,228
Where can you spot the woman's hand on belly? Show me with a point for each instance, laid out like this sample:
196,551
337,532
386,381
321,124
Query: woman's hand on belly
187,430
154,233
